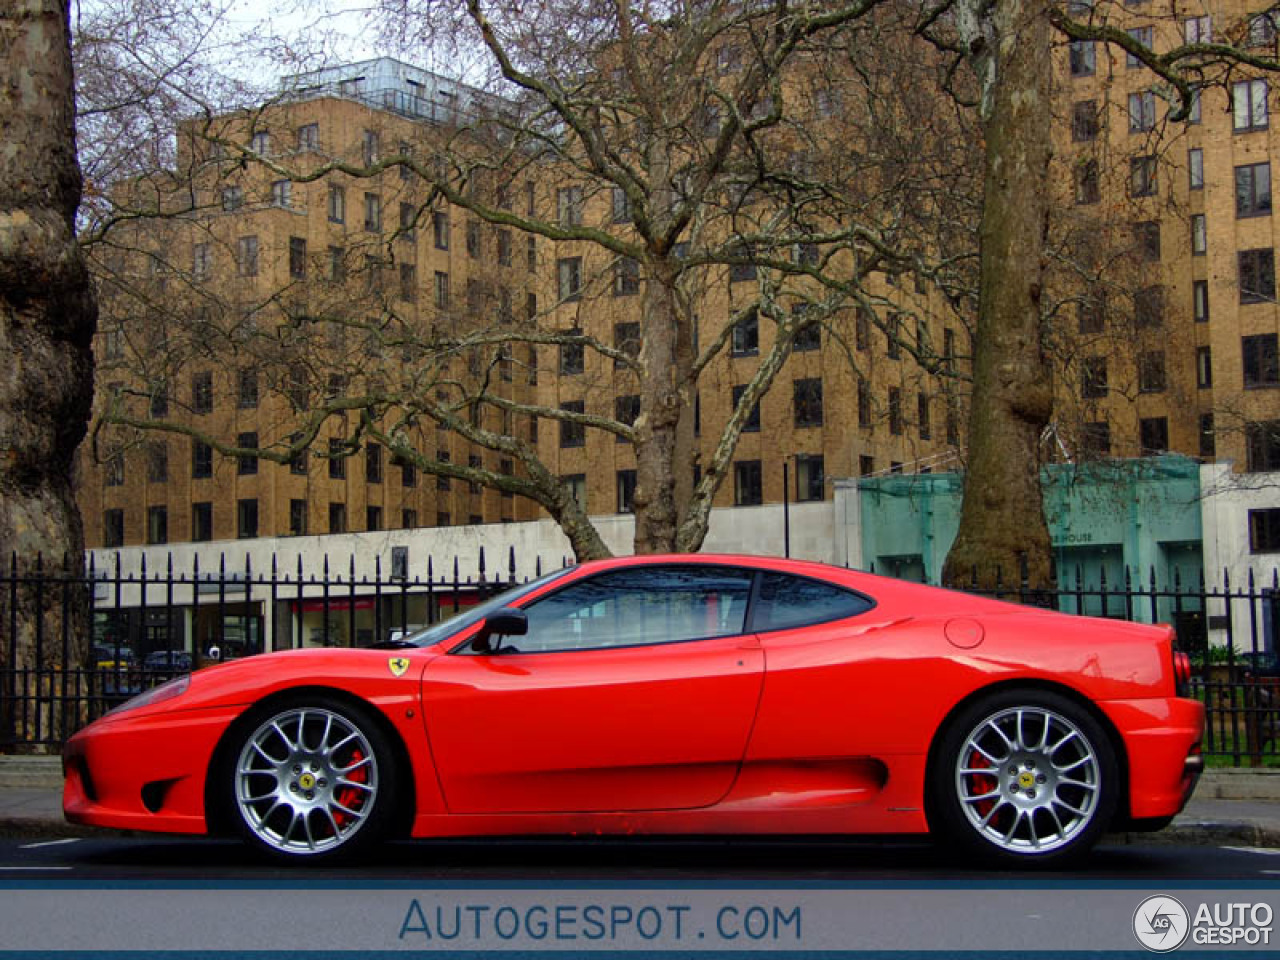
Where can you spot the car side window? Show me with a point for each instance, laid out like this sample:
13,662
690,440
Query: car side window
786,601
637,607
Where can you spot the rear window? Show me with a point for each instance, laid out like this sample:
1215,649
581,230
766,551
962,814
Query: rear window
787,601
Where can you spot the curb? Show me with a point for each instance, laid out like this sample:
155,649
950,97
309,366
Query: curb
1203,833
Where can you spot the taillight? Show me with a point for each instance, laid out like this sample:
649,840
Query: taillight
1181,672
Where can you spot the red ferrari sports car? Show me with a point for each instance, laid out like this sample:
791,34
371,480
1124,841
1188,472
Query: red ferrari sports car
671,695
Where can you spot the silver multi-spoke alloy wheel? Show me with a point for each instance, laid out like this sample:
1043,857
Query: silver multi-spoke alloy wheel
1028,779
306,780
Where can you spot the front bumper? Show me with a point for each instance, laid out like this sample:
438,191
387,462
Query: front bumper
144,772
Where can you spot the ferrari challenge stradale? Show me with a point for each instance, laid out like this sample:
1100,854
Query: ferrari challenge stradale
671,695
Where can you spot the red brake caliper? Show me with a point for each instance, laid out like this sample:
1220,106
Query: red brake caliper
982,783
351,797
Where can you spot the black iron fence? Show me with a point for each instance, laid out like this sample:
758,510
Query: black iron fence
146,625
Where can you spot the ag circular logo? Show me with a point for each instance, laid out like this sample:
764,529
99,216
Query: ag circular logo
1161,923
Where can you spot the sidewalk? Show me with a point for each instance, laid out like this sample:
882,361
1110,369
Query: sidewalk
1230,807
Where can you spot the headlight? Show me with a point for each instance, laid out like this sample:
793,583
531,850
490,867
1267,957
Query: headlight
166,691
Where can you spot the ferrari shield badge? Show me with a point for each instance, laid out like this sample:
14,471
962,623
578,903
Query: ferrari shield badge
398,666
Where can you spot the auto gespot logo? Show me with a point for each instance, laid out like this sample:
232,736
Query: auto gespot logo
1161,923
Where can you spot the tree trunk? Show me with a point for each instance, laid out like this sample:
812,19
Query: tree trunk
1002,523
47,319
664,428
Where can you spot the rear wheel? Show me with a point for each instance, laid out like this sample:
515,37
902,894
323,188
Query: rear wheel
1024,777
311,779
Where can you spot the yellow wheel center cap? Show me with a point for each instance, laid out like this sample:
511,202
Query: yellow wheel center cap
306,781
1026,780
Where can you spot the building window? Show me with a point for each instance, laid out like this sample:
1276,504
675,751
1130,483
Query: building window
809,335
810,479
1198,29
1249,105
443,518
443,480
747,483
247,256
1153,435
1148,307
626,486
1195,168
1091,313
746,335
807,402
1199,235
1087,188
1146,237
157,525
372,518
282,193
1093,378
862,329
408,283
247,464
1143,36
752,423
531,253
408,518
1095,439
408,471
337,459
373,212
626,340
298,518
1151,377
113,528
1208,444
923,419
504,247
573,433
1083,58
626,277
337,517
202,522
1142,176
1260,365
442,290
625,410
202,392
1264,530
1142,111
298,258
745,270
201,261
569,276
572,355
337,204
440,229
1253,190
569,206
866,465
369,146
1262,446
1084,120
895,411
621,206
864,403
247,390
232,198
337,264
1204,368
157,462
1200,300
201,460
1257,270
372,463
246,519
1262,29
114,468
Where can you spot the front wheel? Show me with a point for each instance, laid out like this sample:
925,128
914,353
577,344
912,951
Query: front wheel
313,779
1024,778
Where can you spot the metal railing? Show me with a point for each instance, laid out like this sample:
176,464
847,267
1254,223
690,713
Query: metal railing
146,626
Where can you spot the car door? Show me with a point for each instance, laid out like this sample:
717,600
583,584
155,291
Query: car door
634,689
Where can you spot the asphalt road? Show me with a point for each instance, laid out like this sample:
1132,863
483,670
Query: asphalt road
605,862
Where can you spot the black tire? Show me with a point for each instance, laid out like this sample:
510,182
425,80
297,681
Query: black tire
309,779
1053,786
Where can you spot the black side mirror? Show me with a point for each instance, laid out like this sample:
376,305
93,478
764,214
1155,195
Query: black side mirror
503,622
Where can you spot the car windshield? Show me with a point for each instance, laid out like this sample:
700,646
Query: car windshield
447,628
